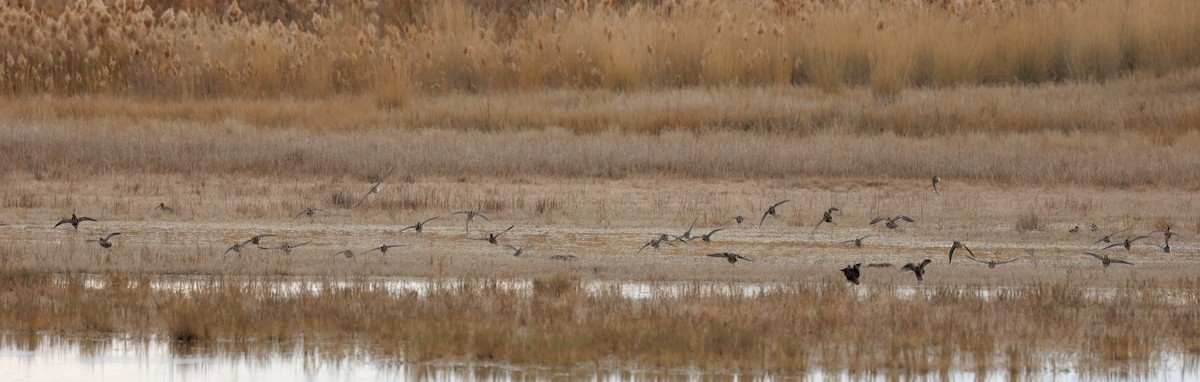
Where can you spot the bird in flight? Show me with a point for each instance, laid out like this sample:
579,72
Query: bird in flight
286,247
991,263
377,188
739,219
493,237
563,257
707,238
382,249
936,180
1104,259
918,269
852,273
471,216
74,221
957,245
347,253
308,212
162,207
104,241
857,242
891,222
771,211
655,243
1108,238
256,240
731,257
518,251
1127,243
419,226
826,218
687,235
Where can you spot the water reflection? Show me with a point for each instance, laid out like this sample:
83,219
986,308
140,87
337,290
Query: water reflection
45,357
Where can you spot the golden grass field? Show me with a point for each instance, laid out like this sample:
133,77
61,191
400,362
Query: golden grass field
593,128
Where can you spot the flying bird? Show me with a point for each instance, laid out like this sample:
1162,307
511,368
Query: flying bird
891,221
470,217
1108,238
707,238
771,211
957,245
74,221
731,257
1104,259
163,208
377,188
936,180
655,243
1127,243
991,263
919,270
104,241
739,219
382,249
852,273
419,226
1074,230
493,237
563,257
687,235
826,218
347,253
518,251
308,212
857,242
286,247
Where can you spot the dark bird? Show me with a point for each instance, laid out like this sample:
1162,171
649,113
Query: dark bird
891,222
687,235
1127,243
1107,260
348,253
826,218
382,249
936,180
991,263
74,221
286,247
857,242
957,245
731,257
163,208
377,188
655,243
493,237
1108,238
739,219
308,212
919,270
518,251
470,217
419,226
879,265
771,211
707,238
563,257
238,247
104,240
1074,230
852,273
1166,247
1095,227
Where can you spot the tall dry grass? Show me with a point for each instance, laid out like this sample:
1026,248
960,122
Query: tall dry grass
394,50
797,328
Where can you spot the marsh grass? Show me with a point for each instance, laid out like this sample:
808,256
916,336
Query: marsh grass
799,327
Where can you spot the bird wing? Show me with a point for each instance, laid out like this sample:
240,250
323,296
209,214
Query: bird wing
742,257
926,262
408,228
710,233
110,236
643,247
1138,238
1098,257
429,220
904,218
781,203
92,241
480,214
764,218
86,219
370,250
299,214
723,255
847,241
1008,261
61,222
299,245
952,248
818,224
364,197
233,247
878,219
908,267
1119,261
1113,245
505,230
935,190
509,246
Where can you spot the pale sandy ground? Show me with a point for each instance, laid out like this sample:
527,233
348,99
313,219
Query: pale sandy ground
601,222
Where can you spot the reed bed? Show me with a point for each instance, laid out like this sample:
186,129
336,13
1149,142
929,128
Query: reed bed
800,327
397,52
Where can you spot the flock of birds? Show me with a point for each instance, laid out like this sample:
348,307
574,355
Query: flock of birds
853,273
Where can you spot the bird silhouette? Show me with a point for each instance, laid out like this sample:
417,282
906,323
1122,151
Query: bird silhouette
826,218
347,253
104,241
852,273
731,257
891,221
936,180
493,237
74,221
771,211
1074,230
377,188
286,247
308,212
518,251
471,215
739,219
382,249
1127,243
857,242
991,263
419,226
919,270
687,235
163,208
1104,259
707,238
957,245
654,243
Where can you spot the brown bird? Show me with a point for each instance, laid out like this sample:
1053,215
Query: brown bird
731,257
286,247
1074,230
919,270
347,253
771,211
857,242
1108,238
1166,248
656,242
826,218
74,221
1126,243
852,273
936,180
1107,260
891,222
1167,234
308,212
1095,227
518,251
470,217
957,245
382,249
991,263
739,219
563,257
687,235
493,237
707,238
238,247
104,240
419,226
163,208
377,188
